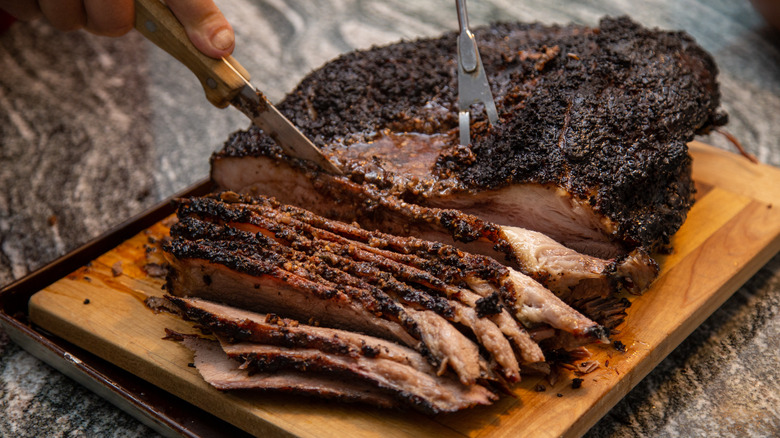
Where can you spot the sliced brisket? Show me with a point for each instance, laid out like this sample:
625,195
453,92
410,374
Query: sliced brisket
258,254
427,392
287,355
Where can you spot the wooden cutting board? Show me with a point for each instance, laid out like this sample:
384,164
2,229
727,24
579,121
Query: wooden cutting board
732,230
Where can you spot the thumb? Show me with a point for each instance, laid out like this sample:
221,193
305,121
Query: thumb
206,27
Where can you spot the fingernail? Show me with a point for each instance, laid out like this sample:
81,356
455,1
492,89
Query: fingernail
223,39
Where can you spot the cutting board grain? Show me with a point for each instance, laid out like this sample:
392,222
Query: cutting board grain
732,230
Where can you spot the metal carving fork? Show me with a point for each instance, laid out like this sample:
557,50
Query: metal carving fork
473,85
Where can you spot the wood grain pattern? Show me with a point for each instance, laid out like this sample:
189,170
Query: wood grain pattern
732,230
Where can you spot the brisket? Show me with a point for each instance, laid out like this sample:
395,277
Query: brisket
387,277
590,148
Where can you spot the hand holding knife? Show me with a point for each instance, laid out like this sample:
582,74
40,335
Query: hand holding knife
225,82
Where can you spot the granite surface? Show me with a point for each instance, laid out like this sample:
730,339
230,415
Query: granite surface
94,130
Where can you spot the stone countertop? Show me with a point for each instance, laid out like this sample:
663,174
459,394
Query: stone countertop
94,130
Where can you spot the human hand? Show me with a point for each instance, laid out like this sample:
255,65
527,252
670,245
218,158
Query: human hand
206,27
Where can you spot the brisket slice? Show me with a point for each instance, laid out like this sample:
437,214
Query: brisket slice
237,325
225,373
590,148
274,345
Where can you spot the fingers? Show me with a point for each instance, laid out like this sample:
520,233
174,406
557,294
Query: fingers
64,15
24,10
206,27
108,18
102,17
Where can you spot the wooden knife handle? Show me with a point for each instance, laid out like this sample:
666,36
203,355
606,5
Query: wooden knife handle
158,24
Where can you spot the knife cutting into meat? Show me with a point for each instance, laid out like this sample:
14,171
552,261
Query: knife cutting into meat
225,82
473,86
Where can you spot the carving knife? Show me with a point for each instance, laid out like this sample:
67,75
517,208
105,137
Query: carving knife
473,86
225,82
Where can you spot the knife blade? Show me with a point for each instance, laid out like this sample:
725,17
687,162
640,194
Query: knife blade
225,82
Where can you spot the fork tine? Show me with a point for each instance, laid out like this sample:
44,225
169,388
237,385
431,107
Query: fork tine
473,86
